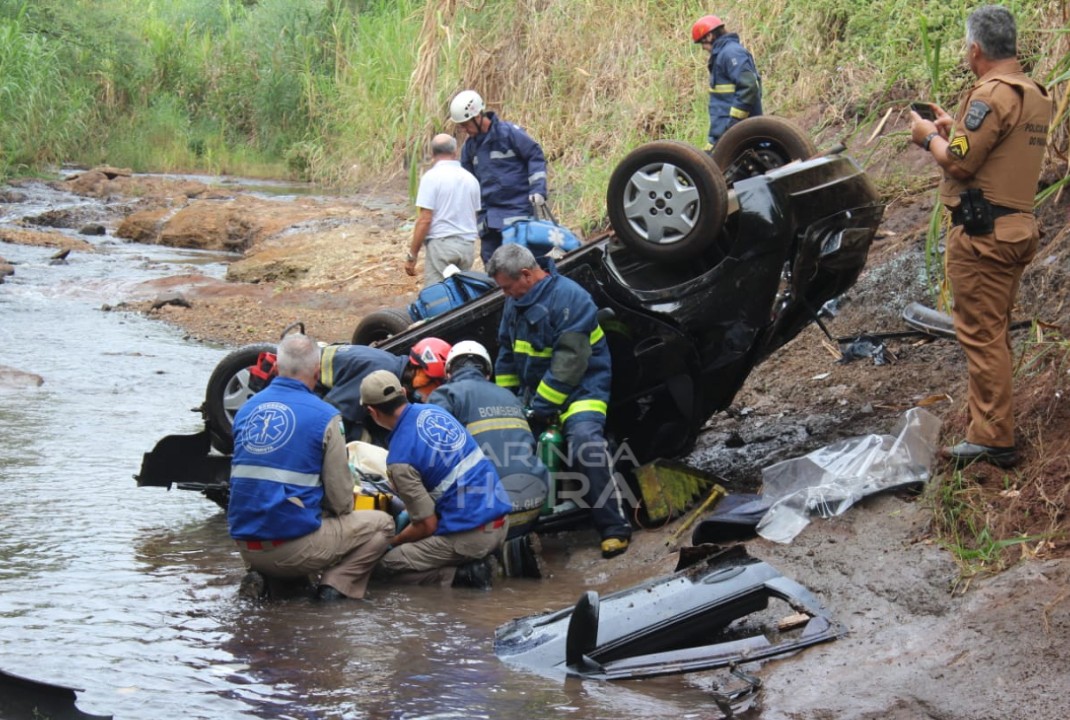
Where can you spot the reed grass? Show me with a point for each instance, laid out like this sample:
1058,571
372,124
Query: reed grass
350,91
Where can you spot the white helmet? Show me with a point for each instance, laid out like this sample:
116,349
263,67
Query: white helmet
465,106
469,348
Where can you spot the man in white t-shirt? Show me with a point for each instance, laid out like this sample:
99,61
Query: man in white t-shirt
447,203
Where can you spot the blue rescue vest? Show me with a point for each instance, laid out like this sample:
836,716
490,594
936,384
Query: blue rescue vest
276,492
456,474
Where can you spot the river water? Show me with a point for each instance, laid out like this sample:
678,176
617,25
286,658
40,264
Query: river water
131,594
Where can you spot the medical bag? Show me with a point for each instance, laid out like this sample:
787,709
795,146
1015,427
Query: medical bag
454,291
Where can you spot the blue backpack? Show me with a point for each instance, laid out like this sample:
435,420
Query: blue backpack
452,292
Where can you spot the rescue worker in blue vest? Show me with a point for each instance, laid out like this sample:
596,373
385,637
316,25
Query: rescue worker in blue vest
552,352
455,500
509,165
291,490
495,418
343,367
735,86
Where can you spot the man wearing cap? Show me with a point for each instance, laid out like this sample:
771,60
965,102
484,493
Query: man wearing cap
291,490
735,86
452,492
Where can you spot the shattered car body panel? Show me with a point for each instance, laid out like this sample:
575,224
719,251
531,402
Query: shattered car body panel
683,336
703,617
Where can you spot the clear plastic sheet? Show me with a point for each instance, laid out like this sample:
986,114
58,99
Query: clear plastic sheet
828,481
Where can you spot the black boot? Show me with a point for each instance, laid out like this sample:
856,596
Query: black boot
473,574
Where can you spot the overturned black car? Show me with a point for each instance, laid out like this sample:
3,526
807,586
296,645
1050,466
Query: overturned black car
706,273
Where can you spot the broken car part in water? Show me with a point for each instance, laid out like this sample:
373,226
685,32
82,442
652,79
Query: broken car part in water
724,610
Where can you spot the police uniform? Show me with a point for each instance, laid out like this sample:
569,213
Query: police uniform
1000,136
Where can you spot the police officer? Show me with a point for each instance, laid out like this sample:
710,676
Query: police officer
552,352
735,86
291,490
509,165
991,156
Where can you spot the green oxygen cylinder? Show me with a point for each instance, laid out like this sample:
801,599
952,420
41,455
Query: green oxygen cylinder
551,448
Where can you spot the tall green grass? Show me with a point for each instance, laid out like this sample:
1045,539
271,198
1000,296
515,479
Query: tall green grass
350,91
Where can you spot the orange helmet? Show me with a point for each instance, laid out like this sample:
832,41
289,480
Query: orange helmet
704,26
430,354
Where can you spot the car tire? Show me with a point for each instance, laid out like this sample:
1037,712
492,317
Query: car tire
381,325
667,201
757,145
228,389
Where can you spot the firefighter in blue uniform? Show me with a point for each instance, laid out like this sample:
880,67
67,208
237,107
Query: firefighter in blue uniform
553,353
508,163
495,418
735,86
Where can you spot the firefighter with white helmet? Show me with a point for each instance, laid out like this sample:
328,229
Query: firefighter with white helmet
508,163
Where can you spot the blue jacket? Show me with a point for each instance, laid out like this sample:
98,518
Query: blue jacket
552,350
735,86
459,478
342,368
495,418
510,166
275,488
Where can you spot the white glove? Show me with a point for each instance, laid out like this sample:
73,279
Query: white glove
536,199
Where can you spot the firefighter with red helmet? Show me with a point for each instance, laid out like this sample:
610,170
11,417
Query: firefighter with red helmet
735,86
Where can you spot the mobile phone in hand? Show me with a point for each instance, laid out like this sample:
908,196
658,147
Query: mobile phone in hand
923,109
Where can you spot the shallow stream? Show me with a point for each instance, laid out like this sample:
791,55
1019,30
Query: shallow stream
131,594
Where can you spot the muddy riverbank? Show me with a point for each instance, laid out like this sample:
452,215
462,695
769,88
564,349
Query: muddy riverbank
921,642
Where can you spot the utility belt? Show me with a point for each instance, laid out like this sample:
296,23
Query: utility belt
260,544
976,215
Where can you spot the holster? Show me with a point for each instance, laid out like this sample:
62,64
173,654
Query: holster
974,213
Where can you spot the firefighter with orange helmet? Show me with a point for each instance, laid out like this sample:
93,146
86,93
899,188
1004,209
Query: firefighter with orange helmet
735,86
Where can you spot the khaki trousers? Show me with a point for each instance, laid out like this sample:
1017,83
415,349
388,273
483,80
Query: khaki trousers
344,549
433,560
985,271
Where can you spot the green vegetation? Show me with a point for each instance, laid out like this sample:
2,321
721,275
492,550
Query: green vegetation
348,91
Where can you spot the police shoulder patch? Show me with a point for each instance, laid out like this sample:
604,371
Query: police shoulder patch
976,114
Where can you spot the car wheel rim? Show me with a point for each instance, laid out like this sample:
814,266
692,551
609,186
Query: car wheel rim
661,203
236,393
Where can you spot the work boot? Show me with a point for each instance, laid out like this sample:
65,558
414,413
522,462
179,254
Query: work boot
253,587
326,593
475,574
966,452
611,547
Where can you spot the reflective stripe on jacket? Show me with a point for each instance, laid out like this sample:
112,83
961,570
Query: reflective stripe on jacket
552,348
456,474
343,367
735,86
510,166
495,418
275,488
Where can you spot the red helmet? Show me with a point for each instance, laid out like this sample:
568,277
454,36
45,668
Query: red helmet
704,26
430,354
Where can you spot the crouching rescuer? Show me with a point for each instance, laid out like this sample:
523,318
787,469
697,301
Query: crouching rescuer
451,491
291,490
